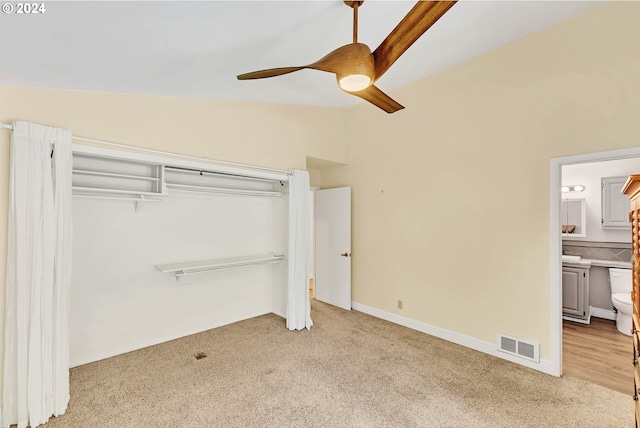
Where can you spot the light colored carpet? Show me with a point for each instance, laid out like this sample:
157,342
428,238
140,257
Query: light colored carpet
350,370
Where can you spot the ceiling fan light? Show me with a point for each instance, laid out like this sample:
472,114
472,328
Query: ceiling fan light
355,82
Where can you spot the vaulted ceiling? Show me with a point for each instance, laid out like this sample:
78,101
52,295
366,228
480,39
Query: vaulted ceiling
196,49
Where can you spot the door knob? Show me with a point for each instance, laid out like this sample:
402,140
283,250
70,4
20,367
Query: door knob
345,254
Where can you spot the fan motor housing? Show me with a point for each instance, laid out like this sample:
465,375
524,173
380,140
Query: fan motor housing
352,3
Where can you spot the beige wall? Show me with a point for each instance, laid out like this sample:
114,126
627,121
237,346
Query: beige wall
451,195
315,177
268,135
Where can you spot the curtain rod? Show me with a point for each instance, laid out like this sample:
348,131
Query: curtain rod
162,152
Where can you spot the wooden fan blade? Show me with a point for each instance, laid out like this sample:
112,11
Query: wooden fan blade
419,19
378,98
354,58
272,72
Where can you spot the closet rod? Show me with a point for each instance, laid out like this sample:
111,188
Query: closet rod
217,174
223,190
181,274
118,198
162,152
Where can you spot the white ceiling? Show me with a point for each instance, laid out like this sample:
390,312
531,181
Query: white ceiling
196,49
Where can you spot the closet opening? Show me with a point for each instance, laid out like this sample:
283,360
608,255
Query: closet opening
164,248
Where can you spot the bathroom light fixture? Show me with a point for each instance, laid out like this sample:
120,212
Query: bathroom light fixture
573,188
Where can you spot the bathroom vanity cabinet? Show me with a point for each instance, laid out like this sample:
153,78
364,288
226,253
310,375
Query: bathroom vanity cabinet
575,293
632,190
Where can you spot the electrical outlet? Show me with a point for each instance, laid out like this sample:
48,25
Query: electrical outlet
399,304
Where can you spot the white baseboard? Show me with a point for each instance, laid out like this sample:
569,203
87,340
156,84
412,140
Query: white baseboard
606,314
578,320
544,366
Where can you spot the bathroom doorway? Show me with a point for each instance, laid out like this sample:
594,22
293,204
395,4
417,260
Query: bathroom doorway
586,342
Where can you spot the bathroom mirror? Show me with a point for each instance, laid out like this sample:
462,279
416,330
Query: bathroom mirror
574,218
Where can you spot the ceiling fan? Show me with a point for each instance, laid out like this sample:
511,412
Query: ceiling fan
357,68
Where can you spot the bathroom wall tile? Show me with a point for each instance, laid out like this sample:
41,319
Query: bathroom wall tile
598,250
624,255
603,254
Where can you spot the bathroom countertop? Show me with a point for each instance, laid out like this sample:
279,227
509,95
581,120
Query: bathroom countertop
587,263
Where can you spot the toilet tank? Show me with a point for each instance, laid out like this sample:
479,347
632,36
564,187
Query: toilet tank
620,280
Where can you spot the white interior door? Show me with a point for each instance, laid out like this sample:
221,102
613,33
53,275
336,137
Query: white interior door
332,282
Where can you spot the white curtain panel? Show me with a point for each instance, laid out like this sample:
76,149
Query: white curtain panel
298,305
36,354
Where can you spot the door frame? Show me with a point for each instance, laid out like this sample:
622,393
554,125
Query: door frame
313,235
555,252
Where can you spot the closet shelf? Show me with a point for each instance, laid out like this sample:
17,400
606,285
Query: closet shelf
114,175
80,189
202,266
223,190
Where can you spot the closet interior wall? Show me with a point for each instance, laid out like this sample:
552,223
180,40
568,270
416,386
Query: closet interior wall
120,298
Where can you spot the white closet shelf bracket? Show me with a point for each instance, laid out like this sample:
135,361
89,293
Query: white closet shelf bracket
204,266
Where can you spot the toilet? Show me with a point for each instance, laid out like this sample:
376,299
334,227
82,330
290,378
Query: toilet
620,280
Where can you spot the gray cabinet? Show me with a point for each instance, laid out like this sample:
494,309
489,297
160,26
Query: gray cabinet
575,293
615,205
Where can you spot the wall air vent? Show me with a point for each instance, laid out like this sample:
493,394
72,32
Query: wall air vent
518,347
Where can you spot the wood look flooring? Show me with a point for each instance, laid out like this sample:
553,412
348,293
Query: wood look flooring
598,353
